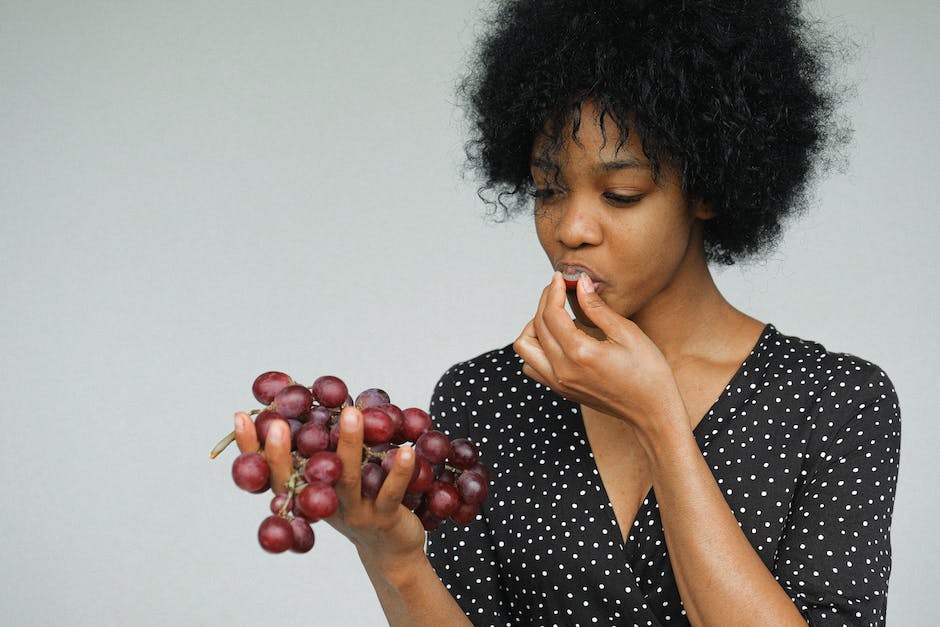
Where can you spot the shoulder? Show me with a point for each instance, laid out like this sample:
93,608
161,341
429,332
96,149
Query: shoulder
484,385
808,363
840,388
492,370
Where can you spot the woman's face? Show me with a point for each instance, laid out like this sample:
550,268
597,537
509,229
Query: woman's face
598,210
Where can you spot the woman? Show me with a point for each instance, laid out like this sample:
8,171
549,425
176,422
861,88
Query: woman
651,139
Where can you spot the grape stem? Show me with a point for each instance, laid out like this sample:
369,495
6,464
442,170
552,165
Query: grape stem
222,445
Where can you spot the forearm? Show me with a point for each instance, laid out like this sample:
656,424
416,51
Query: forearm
721,579
412,595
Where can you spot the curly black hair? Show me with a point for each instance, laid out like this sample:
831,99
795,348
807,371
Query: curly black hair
733,94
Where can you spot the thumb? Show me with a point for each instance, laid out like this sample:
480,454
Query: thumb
594,307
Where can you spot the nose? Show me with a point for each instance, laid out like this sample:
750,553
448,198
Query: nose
578,222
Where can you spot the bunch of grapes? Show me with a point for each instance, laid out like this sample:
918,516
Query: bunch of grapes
448,480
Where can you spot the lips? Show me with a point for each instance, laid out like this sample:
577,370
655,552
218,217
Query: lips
570,272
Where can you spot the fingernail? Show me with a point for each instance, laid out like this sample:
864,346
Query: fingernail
406,453
586,283
349,421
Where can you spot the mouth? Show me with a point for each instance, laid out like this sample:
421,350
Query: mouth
571,272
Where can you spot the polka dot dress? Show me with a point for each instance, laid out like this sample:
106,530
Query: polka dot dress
803,443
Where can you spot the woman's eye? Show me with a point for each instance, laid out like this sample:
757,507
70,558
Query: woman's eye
622,200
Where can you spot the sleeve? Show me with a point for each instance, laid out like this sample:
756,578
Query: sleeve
464,557
835,557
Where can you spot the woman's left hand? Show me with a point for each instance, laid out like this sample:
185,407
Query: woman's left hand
624,375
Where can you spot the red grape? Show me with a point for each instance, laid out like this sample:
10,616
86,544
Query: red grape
394,412
436,490
463,453
267,385
263,423
412,501
251,472
318,501
278,502
320,416
377,426
371,398
312,438
415,423
422,481
275,534
303,536
472,488
466,513
329,391
433,446
325,466
293,401
372,479
442,499
429,521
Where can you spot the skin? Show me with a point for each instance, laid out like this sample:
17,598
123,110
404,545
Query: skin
652,346
388,537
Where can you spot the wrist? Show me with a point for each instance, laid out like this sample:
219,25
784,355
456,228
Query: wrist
397,570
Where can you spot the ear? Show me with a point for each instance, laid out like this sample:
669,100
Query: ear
703,211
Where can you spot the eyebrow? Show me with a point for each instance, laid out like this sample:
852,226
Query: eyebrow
606,166
620,164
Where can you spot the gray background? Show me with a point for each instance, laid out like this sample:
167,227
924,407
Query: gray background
195,192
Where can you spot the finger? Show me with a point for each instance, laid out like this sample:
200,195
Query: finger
594,307
536,366
547,341
245,435
562,336
393,488
349,449
277,453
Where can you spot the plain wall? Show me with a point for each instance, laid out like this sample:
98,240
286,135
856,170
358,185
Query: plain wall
195,192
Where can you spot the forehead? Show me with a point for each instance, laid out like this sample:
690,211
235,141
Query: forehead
588,133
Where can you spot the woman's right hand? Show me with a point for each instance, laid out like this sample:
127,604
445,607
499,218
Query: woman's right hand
386,533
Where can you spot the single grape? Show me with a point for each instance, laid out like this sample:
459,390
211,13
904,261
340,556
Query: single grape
472,488
442,499
415,423
422,481
466,513
329,391
371,398
293,401
251,472
323,466
263,423
433,446
317,501
267,385
412,501
394,412
278,502
372,479
429,521
275,534
463,453
481,469
377,426
319,416
389,462
312,438
303,535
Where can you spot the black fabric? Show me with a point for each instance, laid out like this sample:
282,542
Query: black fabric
804,444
